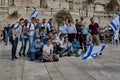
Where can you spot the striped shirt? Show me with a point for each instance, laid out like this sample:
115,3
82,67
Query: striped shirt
18,30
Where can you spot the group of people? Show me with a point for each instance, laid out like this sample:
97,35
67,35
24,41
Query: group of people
47,43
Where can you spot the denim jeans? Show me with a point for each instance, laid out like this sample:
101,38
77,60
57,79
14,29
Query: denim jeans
69,51
30,39
33,55
23,46
77,51
14,47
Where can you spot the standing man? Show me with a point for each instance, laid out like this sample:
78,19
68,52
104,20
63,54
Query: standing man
63,28
31,32
16,32
77,25
23,39
50,26
94,29
71,31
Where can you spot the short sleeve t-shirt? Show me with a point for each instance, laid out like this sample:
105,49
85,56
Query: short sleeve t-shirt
94,29
31,27
18,30
47,49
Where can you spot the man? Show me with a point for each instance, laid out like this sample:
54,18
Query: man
71,31
50,35
23,39
50,26
16,31
67,46
7,28
94,29
59,45
47,54
37,29
31,30
77,25
44,23
63,28
36,50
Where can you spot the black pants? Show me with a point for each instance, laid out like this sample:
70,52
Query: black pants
82,42
14,47
54,57
71,37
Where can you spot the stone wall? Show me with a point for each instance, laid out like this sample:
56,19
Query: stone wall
48,8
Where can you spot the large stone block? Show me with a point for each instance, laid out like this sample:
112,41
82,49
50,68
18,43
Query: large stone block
12,9
99,8
53,4
64,5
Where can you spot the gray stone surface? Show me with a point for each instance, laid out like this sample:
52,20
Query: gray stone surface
105,67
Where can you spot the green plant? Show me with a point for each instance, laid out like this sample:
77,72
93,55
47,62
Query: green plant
110,7
63,15
14,15
90,1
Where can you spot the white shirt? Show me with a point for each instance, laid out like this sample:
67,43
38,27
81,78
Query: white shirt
32,27
47,49
61,42
63,29
66,45
72,29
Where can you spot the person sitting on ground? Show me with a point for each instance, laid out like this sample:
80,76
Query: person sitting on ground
67,46
36,51
76,47
59,45
55,41
50,35
47,54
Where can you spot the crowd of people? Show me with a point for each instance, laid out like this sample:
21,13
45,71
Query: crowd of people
47,43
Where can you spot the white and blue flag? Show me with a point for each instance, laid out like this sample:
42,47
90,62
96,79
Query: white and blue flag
93,52
115,24
34,14
115,36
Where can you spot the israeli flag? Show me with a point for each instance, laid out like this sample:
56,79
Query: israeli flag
115,24
35,14
115,36
93,52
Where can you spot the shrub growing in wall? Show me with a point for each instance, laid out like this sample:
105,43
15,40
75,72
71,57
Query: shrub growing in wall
63,15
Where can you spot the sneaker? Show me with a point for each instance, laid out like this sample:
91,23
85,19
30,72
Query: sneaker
100,54
13,59
20,54
16,57
24,55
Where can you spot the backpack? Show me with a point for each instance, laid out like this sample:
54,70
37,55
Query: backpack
10,30
85,31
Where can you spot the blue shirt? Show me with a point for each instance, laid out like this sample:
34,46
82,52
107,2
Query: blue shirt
45,39
75,44
36,45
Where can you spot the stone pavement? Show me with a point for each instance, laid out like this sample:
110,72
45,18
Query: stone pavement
106,67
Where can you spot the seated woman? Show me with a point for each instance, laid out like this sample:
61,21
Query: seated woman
47,54
36,48
76,47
